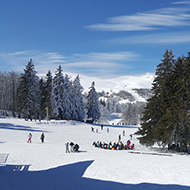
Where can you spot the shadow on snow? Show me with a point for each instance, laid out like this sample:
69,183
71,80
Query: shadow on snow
18,127
67,177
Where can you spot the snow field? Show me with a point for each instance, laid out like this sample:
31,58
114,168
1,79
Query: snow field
120,166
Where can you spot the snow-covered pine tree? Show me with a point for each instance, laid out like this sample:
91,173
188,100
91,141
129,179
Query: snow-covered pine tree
42,91
92,105
57,94
48,92
79,112
68,97
28,92
9,83
105,115
130,114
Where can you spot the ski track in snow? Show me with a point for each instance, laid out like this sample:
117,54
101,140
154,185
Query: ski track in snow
142,168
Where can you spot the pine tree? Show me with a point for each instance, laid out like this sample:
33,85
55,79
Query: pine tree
48,92
68,98
92,106
156,126
42,105
181,102
57,94
79,112
28,92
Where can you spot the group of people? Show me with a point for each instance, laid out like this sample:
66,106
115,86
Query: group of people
73,147
42,137
115,146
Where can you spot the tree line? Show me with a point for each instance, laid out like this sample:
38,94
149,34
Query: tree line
166,118
26,95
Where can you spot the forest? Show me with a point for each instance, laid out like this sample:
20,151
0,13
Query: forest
56,96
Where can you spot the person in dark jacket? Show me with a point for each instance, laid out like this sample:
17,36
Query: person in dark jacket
76,148
119,137
71,145
42,137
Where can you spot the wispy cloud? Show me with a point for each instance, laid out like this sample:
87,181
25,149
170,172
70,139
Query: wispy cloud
97,64
182,2
159,38
152,20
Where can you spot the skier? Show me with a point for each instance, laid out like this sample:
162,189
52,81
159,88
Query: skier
42,137
71,145
29,138
67,147
123,132
107,130
131,136
101,127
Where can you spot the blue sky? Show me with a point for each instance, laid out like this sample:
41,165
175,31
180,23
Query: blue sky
103,38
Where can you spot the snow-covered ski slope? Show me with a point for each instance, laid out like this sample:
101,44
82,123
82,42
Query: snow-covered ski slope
47,167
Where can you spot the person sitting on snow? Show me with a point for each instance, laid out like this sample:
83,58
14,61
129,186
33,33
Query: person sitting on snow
76,148
128,144
95,144
132,146
110,145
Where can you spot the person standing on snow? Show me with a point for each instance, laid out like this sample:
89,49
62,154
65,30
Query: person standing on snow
29,138
67,147
42,137
71,145
107,130
119,137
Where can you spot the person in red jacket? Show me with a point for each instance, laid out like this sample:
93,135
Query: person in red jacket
119,137
128,144
132,146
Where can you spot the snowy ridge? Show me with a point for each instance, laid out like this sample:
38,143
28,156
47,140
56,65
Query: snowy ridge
127,82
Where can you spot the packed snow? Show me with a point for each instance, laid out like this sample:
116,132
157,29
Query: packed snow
37,165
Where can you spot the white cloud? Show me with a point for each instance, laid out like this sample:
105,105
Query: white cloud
160,38
116,56
182,2
166,17
94,63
